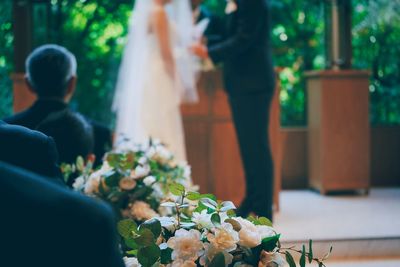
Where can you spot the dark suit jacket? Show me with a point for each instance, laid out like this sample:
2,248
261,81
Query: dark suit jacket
45,225
29,149
245,49
34,115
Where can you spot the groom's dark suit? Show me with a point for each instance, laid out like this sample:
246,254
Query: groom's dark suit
43,224
245,51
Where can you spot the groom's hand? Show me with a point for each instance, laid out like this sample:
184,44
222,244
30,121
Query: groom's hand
199,50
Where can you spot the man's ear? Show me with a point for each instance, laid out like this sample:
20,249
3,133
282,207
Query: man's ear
29,85
70,89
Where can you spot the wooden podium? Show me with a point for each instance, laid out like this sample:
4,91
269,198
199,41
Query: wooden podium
212,146
339,130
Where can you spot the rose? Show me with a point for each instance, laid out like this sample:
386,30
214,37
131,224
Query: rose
149,180
142,211
131,262
224,238
203,219
186,245
248,234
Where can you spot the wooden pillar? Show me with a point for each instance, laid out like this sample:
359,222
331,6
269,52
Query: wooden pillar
338,130
22,19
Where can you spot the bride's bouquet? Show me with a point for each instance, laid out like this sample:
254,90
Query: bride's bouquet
134,182
205,232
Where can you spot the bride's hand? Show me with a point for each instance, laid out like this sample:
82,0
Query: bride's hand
199,50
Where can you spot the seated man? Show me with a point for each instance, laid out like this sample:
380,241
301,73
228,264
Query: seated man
51,75
45,225
29,149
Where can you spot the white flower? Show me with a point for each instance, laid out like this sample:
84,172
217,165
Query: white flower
265,231
127,183
210,252
149,180
224,238
142,211
248,234
271,259
182,263
131,262
140,171
203,219
92,185
159,153
79,183
186,245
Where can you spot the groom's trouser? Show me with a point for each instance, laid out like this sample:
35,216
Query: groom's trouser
251,119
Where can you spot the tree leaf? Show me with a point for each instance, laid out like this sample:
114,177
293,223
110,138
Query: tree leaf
216,219
270,243
310,253
153,225
264,221
193,196
218,260
145,238
177,189
166,255
227,205
126,227
209,203
131,243
149,255
289,259
302,260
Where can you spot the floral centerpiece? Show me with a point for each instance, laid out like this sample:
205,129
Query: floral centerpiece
134,182
206,232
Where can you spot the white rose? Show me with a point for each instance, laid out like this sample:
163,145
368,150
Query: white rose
79,183
170,223
140,171
210,252
131,262
149,180
203,219
265,231
127,183
92,185
142,211
186,245
224,238
248,234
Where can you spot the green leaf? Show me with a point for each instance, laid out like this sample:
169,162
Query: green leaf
145,238
153,225
131,243
216,219
126,227
112,179
218,260
289,259
132,252
264,221
177,189
149,255
236,225
302,260
270,243
193,196
166,255
80,164
227,205
209,203
310,253
210,196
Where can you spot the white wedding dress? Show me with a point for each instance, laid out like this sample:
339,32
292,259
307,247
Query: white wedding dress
148,99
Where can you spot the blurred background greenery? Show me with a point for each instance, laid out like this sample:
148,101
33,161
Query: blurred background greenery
95,31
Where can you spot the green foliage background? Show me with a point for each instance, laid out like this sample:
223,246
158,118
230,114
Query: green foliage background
95,31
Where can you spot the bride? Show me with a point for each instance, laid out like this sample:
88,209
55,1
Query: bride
157,74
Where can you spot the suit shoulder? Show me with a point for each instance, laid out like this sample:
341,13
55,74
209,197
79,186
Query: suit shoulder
18,118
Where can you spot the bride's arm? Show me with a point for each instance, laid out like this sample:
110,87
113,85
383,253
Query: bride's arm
161,29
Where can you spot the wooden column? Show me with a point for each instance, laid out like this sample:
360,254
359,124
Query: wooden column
212,145
339,130
22,23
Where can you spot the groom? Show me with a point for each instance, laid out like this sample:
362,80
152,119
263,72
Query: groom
245,51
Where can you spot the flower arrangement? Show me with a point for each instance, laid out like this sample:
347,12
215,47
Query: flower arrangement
206,232
134,182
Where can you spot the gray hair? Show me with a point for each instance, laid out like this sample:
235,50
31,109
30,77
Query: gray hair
49,68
